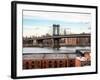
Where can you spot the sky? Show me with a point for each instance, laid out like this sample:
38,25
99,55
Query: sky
37,23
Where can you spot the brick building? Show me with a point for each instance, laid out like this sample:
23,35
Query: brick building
39,61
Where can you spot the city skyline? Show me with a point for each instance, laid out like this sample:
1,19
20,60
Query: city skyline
40,23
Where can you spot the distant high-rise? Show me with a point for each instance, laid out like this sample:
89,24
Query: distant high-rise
64,31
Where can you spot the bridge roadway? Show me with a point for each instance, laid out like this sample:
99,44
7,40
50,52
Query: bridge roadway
62,36
65,36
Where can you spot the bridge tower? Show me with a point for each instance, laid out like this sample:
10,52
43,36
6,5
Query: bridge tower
56,30
56,43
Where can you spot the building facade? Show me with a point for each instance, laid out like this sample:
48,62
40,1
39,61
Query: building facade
41,61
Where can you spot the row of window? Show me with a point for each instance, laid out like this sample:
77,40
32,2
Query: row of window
33,64
39,64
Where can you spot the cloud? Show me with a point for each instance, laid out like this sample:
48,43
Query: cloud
35,30
56,16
